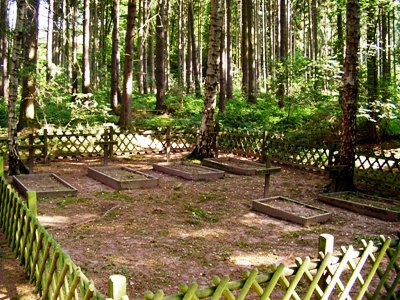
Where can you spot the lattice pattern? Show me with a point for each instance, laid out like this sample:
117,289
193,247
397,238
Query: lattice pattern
243,144
139,142
52,272
375,169
371,272
301,154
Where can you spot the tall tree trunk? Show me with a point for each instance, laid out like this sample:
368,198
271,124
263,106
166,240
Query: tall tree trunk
265,52
145,38
126,105
4,49
179,40
151,58
167,45
27,107
282,54
251,91
94,59
184,44
14,160
67,38
200,42
372,71
204,147
49,48
141,45
243,50
160,57
189,65
222,61
229,68
86,47
75,66
384,46
314,14
195,64
339,47
345,180
115,95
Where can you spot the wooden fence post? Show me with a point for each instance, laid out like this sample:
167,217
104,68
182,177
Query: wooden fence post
168,143
117,287
325,245
46,145
267,176
1,166
264,146
110,138
32,202
31,153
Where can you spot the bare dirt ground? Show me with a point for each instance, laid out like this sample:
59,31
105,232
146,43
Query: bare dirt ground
185,231
13,282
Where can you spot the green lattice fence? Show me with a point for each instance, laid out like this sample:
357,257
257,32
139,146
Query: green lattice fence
48,267
371,272
371,168
248,144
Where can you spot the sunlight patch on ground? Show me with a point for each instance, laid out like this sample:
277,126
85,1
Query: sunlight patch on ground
256,259
255,220
203,233
58,221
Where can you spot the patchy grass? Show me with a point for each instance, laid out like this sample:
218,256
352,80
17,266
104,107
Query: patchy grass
197,214
116,195
64,202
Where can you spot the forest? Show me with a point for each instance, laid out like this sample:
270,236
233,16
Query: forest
273,65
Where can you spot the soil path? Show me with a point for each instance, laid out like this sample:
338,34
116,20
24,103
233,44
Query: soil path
13,281
185,231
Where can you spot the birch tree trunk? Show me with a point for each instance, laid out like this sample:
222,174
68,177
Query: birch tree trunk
204,147
75,66
49,48
4,49
14,161
86,47
251,91
195,64
115,95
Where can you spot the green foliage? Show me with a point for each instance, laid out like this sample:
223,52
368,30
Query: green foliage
3,114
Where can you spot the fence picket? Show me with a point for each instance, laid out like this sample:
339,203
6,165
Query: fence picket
299,274
221,287
356,271
383,281
272,283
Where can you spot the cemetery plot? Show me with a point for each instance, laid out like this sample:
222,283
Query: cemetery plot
120,178
291,210
377,207
188,170
239,166
45,185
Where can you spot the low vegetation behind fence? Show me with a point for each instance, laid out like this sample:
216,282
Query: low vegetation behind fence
382,169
